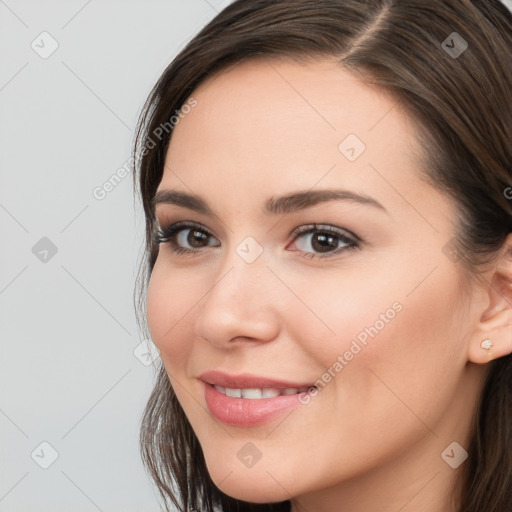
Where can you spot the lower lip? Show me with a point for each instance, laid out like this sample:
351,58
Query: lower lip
246,412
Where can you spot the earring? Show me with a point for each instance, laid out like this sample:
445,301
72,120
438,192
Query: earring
487,345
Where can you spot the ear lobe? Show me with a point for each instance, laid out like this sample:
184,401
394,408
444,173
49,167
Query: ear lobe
497,329
495,322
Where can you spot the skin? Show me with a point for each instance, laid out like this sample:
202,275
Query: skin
372,438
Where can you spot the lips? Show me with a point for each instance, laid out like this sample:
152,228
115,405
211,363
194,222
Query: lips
249,381
249,400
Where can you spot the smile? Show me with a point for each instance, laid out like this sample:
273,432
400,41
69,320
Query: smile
258,393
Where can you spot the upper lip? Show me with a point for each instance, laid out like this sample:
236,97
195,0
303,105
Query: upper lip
248,381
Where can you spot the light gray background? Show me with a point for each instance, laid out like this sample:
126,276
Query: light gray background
68,374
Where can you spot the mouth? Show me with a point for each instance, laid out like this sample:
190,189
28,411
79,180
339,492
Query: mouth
251,383
258,393
250,400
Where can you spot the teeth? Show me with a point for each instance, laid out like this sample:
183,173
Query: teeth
256,393
270,392
235,393
251,393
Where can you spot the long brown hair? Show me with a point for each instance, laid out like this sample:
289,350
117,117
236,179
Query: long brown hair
462,103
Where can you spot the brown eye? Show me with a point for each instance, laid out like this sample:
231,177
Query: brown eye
322,242
193,237
316,240
184,237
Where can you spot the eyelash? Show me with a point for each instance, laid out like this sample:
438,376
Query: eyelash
167,234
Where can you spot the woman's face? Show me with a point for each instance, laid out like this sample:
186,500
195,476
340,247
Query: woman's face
372,297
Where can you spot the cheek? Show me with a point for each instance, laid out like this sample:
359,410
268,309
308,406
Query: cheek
381,337
400,352
157,304
168,305
383,315
341,314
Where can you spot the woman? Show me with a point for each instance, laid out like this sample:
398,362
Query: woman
328,269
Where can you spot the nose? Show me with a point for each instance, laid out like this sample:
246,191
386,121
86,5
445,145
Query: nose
241,305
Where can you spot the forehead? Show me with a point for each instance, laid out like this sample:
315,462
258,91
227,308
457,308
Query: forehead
270,111
270,94
271,126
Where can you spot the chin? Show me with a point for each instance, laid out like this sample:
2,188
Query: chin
248,485
253,493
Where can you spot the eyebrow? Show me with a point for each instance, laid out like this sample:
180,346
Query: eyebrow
292,202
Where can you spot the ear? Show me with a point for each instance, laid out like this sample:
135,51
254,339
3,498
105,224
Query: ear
495,323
